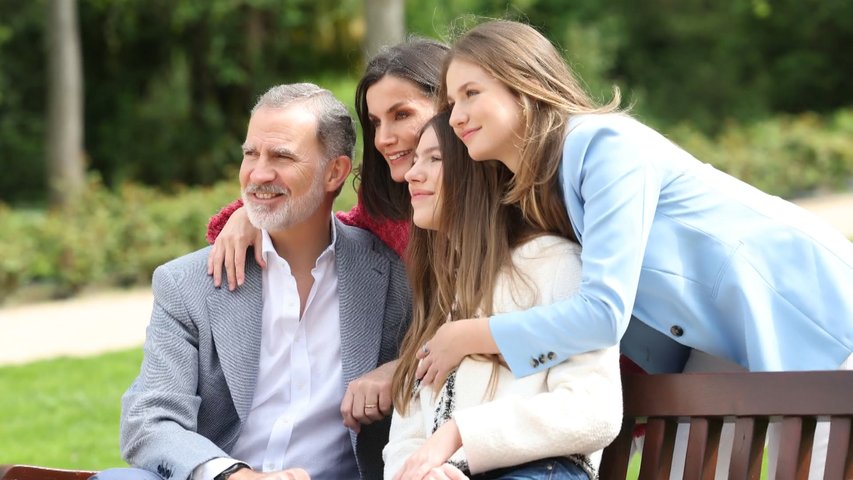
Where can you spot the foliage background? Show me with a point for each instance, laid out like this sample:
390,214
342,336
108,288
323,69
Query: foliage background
168,82
761,89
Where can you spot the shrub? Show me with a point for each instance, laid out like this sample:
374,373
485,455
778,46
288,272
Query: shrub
113,238
788,156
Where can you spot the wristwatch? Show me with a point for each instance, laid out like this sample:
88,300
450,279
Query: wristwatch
231,471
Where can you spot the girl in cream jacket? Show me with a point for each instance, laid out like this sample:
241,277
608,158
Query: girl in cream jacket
482,421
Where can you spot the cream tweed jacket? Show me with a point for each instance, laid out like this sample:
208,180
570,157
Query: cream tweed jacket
574,407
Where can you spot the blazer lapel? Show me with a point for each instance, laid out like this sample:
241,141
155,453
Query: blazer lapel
235,319
362,288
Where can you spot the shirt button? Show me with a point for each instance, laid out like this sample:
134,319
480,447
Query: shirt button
542,358
552,355
676,330
534,362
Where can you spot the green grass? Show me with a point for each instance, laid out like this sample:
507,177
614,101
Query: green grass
634,468
64,413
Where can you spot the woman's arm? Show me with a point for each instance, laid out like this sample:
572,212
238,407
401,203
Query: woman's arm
406,436
393,233
611,188
579,414
579,409
217,222
231,234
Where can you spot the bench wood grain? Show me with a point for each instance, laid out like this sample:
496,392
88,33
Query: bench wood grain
753,399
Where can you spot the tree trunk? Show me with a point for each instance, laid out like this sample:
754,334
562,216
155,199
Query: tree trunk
66,171
384,24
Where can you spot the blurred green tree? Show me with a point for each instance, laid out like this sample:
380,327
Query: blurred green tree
23,82
169,82
705,62
384,24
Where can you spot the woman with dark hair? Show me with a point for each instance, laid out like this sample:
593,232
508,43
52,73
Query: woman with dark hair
406,73
393,100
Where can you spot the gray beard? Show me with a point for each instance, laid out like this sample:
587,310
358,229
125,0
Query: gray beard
291,212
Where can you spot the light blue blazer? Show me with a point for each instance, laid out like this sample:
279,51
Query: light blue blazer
695,255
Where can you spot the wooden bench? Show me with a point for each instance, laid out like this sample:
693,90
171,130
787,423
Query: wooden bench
29,472
704,400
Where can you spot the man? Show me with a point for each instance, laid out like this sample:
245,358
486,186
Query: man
238,383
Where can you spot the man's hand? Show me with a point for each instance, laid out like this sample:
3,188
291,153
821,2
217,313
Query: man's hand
428,461
289,474
229,249
368,398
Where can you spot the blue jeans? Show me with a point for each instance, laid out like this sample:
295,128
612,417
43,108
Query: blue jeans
556,468
129,473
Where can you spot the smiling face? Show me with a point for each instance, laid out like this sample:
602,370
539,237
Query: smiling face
425,182
398,110
485,114
281,176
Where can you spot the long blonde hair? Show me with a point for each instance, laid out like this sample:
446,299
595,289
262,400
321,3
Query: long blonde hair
452,271
531,67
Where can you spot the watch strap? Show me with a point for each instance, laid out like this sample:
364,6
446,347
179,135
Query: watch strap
231,471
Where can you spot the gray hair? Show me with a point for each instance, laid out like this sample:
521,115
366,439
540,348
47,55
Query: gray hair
335,127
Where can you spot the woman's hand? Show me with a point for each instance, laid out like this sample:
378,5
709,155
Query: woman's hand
451,343
446,472
427,459
230,249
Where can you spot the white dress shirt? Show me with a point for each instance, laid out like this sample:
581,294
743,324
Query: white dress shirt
295,418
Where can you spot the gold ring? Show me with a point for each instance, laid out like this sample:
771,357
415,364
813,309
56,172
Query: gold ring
372,405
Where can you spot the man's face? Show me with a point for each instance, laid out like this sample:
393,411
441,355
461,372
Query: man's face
281,176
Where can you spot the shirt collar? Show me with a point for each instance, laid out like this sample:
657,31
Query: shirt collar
268,249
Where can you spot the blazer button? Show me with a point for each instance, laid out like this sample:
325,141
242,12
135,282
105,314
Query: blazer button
552,355
542,358
534,362
676,330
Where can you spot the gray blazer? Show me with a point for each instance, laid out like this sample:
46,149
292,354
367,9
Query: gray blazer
197,380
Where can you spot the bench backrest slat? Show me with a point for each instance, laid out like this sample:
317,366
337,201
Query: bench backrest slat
753,400
840,445
703,446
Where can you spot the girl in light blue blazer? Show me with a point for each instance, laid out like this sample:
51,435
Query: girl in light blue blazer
676,255
696,257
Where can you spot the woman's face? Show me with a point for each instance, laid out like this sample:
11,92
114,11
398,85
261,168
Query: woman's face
425,182
398,109
485,115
